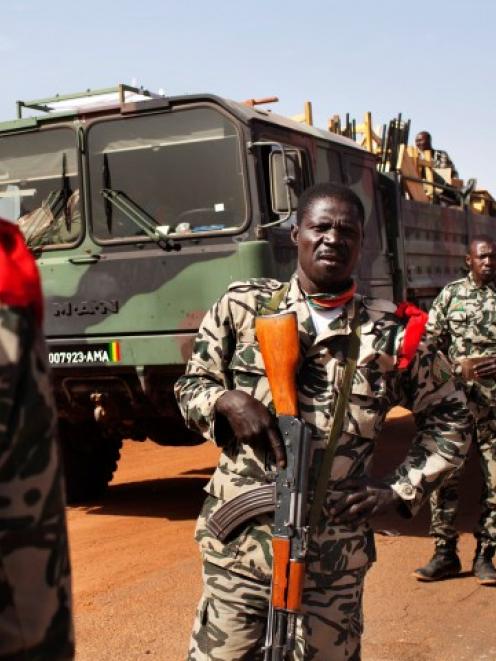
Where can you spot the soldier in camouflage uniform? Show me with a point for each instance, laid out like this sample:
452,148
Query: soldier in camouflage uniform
225,395
35,592
462,322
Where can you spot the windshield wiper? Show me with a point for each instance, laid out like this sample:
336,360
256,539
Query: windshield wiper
107,185
138,216
66,193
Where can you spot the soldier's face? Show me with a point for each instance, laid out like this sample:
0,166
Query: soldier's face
329,239
481,260
423,141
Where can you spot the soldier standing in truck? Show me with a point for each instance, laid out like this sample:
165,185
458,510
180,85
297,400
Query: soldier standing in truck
440,158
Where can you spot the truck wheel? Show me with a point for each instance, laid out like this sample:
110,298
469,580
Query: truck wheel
90,459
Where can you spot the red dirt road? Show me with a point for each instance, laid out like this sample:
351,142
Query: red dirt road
137,572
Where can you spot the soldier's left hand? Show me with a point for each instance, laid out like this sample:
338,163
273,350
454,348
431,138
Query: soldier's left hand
361,500
485,369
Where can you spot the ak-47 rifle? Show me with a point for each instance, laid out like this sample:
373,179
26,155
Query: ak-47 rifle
278,340
277,336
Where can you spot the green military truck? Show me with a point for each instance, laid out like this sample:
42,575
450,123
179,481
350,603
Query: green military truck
141,209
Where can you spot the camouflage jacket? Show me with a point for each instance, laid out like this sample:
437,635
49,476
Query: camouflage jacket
462,322
441,159
35,594
226,356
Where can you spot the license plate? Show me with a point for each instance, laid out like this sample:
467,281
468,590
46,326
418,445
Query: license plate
85,354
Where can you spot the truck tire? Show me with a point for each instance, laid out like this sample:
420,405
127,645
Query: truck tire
89,457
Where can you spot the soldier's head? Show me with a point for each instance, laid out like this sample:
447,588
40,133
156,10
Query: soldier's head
481,259
423,141
328,234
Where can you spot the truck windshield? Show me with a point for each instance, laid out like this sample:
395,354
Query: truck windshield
39,185
183,169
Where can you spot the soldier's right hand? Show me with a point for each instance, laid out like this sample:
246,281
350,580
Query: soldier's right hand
250,422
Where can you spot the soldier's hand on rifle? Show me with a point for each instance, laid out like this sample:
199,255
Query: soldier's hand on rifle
361,500
250,422
485,369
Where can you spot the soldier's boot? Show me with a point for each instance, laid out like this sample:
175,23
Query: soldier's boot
483,568
443,564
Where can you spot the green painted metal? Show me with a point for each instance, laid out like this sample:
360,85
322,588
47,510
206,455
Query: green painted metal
34,122
18,124
42,104
182,301
255,259
178,303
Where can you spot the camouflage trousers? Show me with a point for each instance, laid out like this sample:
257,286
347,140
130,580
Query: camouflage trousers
444,501
230,622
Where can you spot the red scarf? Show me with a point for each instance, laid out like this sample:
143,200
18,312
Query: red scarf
330,301
414,330
19,278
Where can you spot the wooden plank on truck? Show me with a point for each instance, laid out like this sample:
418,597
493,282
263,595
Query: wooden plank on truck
408,170
306,117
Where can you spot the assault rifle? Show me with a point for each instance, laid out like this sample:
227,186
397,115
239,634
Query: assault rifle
278,340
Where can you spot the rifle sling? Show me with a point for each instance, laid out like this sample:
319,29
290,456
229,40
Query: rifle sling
244,507
272,307
337,422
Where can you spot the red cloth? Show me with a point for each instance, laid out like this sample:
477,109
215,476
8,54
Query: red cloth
19,278
414,330
331,301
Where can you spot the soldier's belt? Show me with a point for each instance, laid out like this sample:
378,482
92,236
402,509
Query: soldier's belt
242,508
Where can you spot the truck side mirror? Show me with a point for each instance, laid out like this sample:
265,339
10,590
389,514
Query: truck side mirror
286,180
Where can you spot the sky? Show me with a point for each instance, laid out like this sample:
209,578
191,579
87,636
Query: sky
432,61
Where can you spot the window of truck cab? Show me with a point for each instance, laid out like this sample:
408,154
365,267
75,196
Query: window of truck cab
39,186
361,177
328,165
181,169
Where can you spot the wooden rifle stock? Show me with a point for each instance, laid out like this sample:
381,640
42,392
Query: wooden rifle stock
295,585
277,336
287,577
281,549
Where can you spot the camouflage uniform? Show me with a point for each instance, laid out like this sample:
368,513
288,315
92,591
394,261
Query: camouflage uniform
237,574
441,159
462,321
35,595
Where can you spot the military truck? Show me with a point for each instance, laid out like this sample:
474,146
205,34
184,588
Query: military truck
141,209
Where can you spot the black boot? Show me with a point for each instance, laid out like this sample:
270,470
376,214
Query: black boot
444,563
483,568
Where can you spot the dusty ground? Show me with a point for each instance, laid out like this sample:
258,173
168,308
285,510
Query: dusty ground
137,572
